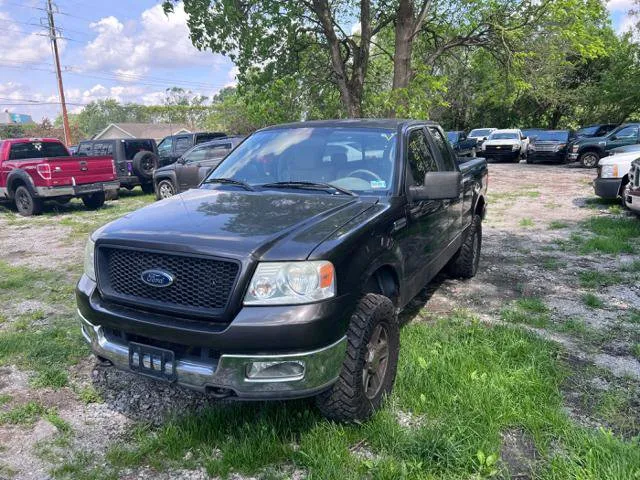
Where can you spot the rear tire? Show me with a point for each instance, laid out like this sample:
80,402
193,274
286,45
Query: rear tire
94,201
465,263
165,189
370,365
589,159
26,204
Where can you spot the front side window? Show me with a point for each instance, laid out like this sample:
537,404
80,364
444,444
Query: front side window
217,151
627,132
165,146
195,155
419,157
29,150
357,159
445,152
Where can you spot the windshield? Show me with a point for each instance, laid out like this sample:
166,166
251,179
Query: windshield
452,136
587,130
356,159
131,147
504,136
532,132
552,136
480,132
27,150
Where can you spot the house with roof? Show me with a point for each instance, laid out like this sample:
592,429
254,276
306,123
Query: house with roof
157,131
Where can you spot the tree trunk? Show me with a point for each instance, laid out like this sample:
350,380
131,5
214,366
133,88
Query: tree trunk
403,44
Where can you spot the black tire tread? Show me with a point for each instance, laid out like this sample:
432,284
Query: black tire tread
345,400
37,203
462,265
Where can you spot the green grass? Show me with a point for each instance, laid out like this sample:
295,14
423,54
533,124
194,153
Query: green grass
610,235
26,414
557,225
592,301
530,311
469,382
495,197
526,223
635,350
551,263
597,278
633,316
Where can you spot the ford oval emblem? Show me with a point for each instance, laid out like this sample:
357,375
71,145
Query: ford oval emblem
156,278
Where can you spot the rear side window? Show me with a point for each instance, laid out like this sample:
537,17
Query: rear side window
421,160
441,144
102,149
131,147
27,150
182,145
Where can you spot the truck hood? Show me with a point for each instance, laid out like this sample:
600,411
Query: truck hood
267,225
505,141
621,159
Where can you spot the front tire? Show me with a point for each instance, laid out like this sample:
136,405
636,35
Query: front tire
165,189
589,159
370,365
94,200
26,204
465,263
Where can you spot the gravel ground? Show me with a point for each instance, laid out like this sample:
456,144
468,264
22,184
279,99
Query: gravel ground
523,201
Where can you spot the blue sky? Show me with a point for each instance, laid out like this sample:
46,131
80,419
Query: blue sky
123,49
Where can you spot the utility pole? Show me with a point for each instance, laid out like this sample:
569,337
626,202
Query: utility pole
54,43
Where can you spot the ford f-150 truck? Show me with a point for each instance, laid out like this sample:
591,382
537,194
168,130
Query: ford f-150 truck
33,170
281,276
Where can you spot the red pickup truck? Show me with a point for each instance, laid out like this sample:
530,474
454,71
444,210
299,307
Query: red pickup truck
33,170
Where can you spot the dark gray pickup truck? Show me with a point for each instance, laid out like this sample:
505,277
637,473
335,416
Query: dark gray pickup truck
282,275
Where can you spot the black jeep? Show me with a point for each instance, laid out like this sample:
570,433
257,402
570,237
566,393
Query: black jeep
135,159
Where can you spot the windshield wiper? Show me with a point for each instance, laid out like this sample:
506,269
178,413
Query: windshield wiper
310,185
230,181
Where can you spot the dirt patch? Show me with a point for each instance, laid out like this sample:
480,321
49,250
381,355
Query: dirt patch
518,455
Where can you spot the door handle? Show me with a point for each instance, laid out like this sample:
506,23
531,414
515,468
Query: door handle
399,225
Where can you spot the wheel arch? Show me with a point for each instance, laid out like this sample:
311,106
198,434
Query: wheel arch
623,184
384,280
17,178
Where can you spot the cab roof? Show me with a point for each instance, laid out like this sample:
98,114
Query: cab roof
386,123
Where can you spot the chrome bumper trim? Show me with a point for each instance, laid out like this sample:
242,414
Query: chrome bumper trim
322,368
71,191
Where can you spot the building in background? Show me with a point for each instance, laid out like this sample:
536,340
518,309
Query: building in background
8,118
156,131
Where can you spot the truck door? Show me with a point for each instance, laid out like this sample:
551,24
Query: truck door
626,136
424,236
448,163
188,167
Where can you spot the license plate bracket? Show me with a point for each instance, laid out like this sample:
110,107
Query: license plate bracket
152,361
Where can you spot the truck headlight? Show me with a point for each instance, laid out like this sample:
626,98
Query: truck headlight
575,148
560,146
281,283
609,171
484,147
515,147
90,259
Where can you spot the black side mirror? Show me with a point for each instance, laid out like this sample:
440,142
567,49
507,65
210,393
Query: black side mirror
438,186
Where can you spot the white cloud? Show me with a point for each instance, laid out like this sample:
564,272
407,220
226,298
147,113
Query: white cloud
620,5
16,46
232,76
156,40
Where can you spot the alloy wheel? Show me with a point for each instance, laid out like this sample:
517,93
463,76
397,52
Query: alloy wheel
376,361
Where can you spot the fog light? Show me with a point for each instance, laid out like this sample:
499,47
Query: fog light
293,369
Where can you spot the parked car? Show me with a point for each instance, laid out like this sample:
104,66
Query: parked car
462,145
192,167
589,151
549,146
282,275
597,130
135,158
480,135
33,170
631,196
625,149
613,175
531,133
508,144
174,146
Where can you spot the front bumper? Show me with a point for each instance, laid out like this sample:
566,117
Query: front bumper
76,190
507,154
542,156
607,187
229,371
632,199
